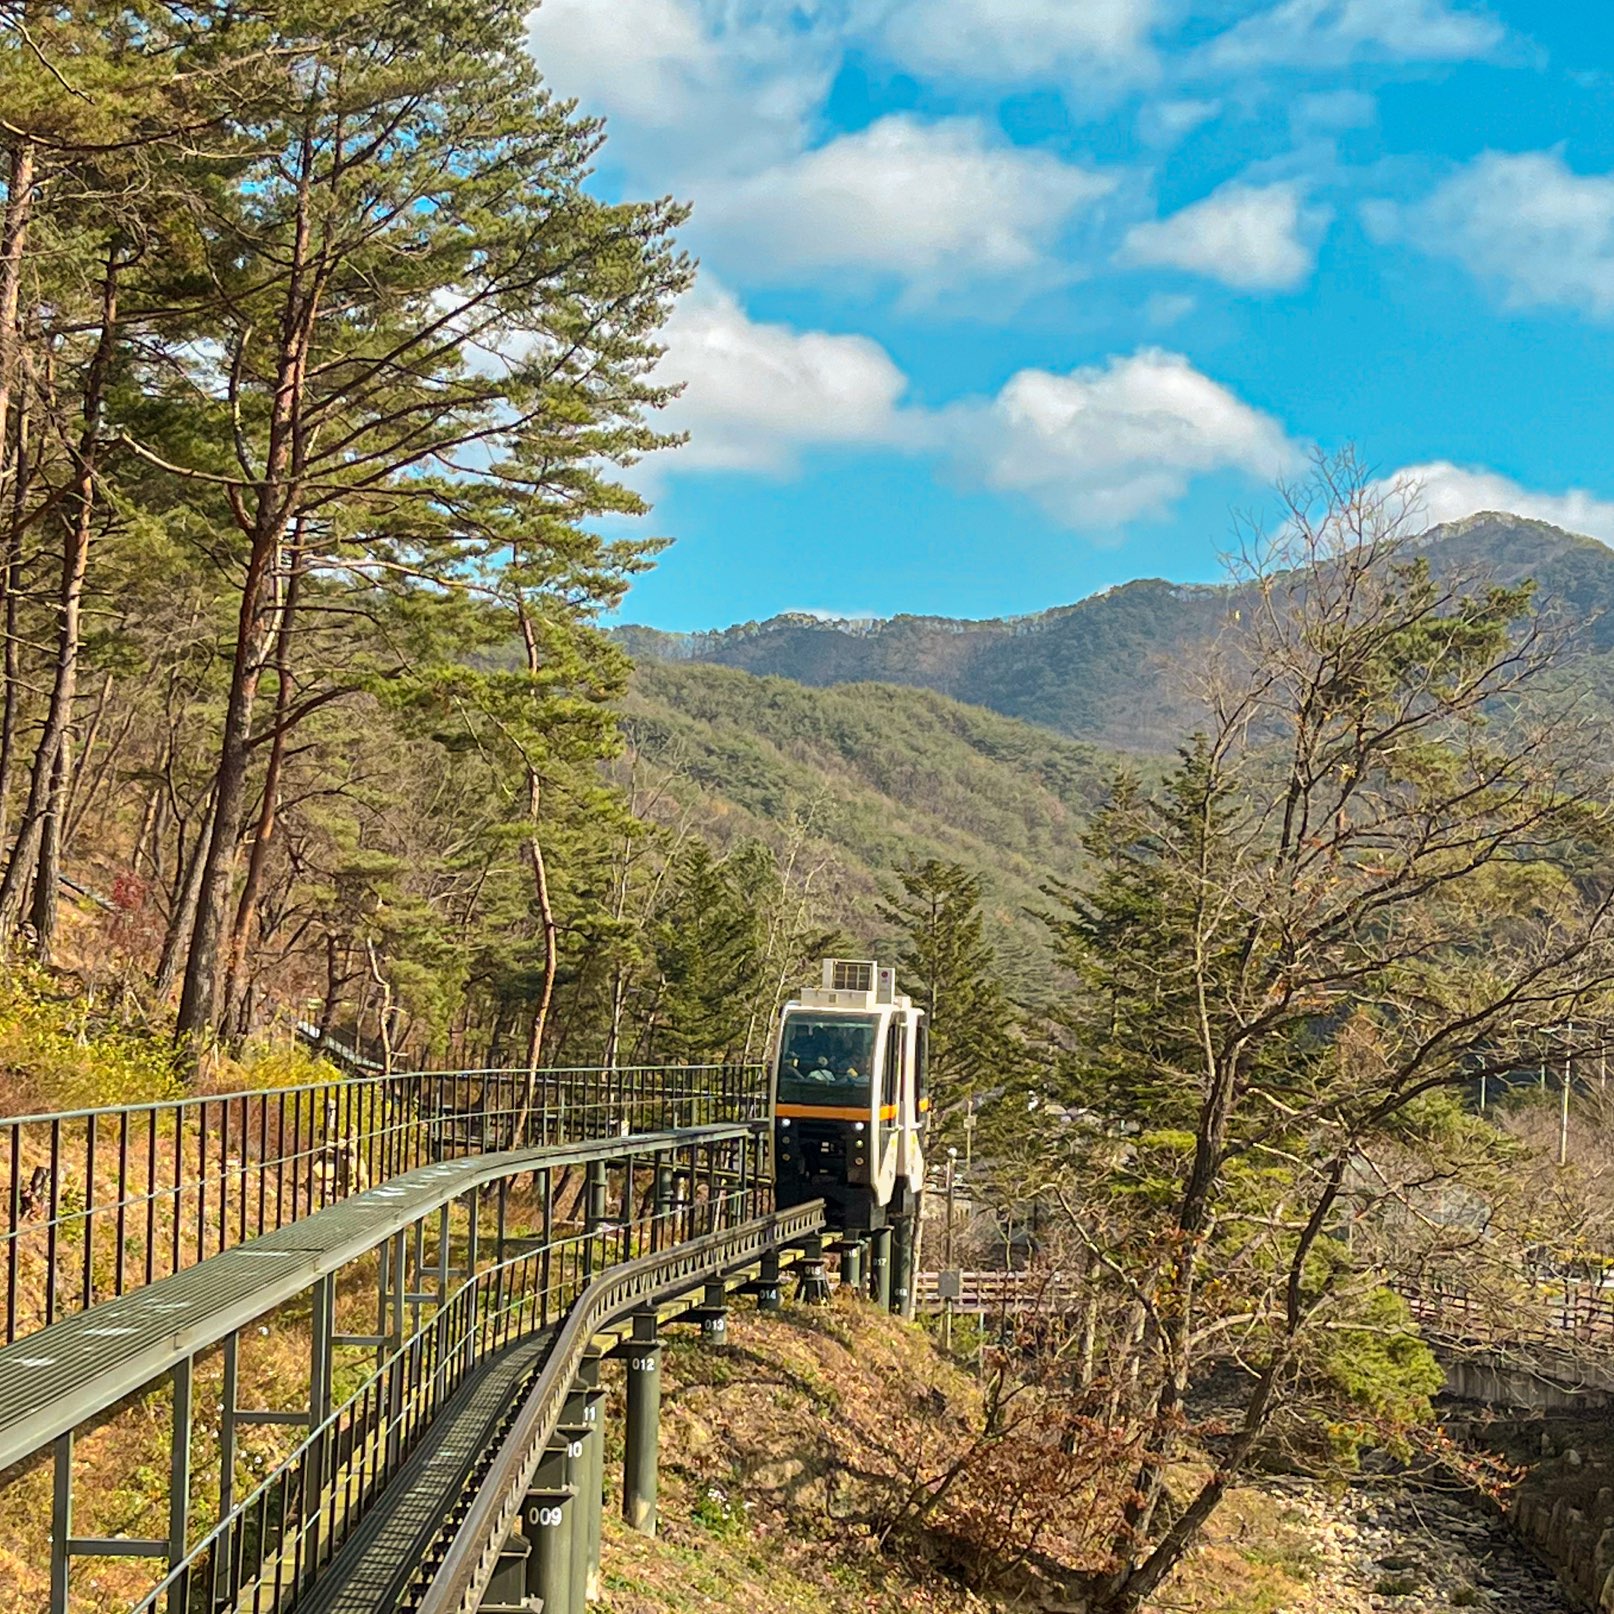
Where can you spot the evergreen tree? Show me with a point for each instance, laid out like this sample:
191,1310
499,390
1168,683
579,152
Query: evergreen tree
710,945
1131,937
947,966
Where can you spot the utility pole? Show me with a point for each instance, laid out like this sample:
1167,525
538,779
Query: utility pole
1563,1100
947,1254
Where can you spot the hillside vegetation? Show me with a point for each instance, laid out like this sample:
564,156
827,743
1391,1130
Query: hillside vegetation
787,1454
869,778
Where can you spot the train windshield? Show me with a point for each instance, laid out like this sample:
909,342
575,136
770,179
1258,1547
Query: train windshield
826,1059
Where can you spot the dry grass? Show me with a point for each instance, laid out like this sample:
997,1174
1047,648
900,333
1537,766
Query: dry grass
776,1448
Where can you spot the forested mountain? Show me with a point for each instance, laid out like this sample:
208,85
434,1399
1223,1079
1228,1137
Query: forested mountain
855,782
1117,669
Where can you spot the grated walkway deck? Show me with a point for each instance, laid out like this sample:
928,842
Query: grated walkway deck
63,1376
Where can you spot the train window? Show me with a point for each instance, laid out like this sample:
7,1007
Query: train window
921,1092
893,1064
827,1059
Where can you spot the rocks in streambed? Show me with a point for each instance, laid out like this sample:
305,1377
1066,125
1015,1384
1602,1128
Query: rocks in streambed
1417,1552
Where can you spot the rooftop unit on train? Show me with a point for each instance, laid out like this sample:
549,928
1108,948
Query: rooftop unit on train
852,983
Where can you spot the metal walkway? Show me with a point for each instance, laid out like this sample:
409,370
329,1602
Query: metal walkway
474,1286
457,1252
58,1379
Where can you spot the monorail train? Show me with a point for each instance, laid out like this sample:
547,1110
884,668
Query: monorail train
850,1105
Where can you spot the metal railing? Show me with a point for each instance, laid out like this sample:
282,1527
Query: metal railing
997,1289
101,1201
456,1570
266,1553
1562,1312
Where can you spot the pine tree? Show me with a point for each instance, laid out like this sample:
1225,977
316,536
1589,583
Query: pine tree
947,965
710,952
1130,936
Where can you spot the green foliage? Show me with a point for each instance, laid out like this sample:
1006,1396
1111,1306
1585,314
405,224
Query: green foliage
874,779
950,969
1377,1363
708,944
58,1052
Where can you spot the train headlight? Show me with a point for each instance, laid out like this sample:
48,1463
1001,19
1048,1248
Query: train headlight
857,1126
784,1120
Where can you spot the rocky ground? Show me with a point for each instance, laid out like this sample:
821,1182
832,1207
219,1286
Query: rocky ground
1417,1552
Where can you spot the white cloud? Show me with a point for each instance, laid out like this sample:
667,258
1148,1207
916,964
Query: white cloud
937,205
1016,42
1330,111
1164,123
1254,237
757,394
1327,34
1525,223
1096,448
1109,443
1449,492
1168,308
717,83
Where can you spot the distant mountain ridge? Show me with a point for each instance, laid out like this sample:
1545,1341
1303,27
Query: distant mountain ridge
1114,669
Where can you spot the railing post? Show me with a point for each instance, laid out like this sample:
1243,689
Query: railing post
880,1267
179,1482
319,1392
319,1407
640,1467
229,1395
61,1522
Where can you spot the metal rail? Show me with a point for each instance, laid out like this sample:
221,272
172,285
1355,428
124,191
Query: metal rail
696,1204
102,1201
465,1560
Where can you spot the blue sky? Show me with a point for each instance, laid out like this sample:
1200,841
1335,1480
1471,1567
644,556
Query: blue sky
1005,301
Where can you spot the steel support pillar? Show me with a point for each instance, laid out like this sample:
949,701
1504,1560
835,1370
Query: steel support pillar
880,1267
507,1591
714,1314
547,1524
902,1254
641,1357
851,1264
770,1297
593,1214
662,1234
582,1423
574,1433
812,1288
588,1376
